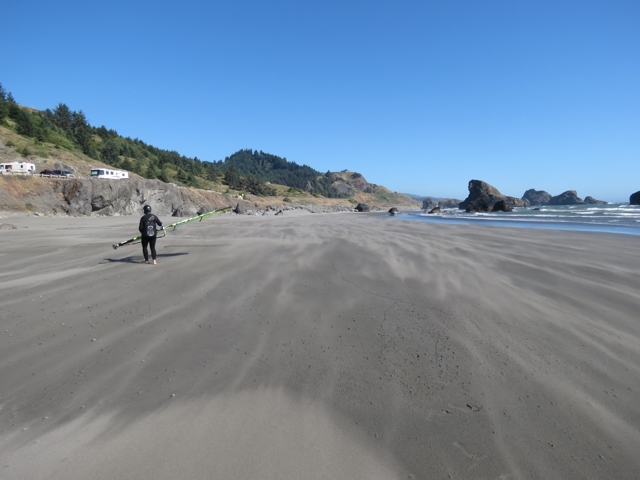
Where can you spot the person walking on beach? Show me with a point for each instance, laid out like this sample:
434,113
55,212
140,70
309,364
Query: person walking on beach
147,228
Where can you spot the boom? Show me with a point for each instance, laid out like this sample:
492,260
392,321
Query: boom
173,226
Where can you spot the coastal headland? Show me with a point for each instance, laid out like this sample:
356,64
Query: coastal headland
318,346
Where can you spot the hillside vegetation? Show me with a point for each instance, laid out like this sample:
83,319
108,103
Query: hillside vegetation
62,137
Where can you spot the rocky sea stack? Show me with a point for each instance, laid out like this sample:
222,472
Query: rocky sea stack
634,199
449,203
429,203
482,198
570,197
592,201
536,198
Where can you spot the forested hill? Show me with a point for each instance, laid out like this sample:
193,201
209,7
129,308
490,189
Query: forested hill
246,170
274,169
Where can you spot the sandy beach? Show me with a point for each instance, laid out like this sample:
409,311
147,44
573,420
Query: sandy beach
334,346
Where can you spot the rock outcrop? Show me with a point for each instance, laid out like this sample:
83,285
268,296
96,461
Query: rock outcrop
240,209
125,197
363,207
429,203
593,201
501,206
394,211
536,198
570,197
449,203
482,197
634,199
435,210
98,197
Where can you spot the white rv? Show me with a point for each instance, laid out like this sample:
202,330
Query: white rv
17,167
108,173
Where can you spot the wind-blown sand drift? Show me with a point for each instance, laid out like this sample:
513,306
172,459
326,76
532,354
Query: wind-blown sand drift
336,346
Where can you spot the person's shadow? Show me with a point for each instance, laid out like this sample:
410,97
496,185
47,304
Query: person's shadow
138,258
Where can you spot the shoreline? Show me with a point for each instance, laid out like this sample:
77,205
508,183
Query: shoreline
307,346
524,224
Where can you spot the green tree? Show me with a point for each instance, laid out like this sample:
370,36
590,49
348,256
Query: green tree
81,132
164,174
14,110
110,152
25,124
150,171
4,109
126,164
62,117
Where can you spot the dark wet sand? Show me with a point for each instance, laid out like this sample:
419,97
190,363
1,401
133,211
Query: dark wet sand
343,346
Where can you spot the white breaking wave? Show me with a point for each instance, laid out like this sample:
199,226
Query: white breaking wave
614,217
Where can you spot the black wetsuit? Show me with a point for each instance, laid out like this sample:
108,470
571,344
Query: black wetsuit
147,228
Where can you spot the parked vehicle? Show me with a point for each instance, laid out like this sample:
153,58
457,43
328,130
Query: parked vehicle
17,167
108,173
56,173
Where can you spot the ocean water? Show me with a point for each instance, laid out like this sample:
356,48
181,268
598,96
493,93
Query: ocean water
612,217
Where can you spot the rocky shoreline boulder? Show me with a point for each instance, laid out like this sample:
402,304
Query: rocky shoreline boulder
634,199
482,197
363,207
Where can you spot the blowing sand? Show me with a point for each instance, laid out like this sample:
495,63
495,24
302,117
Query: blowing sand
346,346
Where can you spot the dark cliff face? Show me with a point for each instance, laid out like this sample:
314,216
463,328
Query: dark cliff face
634,199
570,197
536,198
482,197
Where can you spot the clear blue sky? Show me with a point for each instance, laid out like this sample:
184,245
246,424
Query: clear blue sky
419,96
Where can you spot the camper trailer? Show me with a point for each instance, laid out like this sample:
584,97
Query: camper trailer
107,173
17,167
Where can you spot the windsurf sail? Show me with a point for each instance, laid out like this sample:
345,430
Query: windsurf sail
172,227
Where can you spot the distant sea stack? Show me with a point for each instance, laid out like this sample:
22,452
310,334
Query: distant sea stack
537,198
634,199
449,203
429,203
593,201
482,197
570,197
